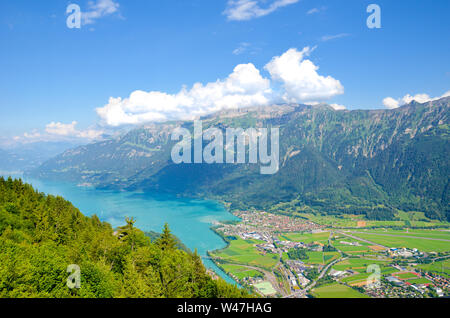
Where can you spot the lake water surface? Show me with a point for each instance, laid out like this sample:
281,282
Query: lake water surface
189,219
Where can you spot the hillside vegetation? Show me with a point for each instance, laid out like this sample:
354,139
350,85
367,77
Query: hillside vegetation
41,235
371,162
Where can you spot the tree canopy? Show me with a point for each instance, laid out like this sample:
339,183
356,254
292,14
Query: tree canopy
41,235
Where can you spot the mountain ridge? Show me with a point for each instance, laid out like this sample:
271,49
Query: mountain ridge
371,162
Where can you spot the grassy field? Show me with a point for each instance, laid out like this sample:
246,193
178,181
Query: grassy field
419,281
321,258
403,224
363,275
244,252
337,291
405,276
357,264
395,241
266,288
307,238
241,272
349,249
415,219
335,221
442,267
360,266
437,234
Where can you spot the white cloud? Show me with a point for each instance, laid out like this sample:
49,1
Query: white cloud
243,47
61,129
69,130
241,10
338,107
313,10
56,131
32,135
392,103
326,38
300,79
244,87
316,10
98,9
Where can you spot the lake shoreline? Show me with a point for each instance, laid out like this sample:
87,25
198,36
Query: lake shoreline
190,219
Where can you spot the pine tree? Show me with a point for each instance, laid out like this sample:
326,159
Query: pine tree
166,241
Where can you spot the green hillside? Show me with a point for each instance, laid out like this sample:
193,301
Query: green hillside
371,162
40,236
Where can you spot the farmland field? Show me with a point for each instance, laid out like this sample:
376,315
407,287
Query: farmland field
244,252
349,248
438,234
424,245
337,291
321,258
419,281
266,288
442,267
241,272
363,275
355,221
405,276
356,264
307,238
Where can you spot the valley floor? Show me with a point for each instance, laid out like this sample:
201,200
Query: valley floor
281,256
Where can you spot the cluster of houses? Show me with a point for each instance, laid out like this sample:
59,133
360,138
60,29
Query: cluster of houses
404,252
298,267
341,274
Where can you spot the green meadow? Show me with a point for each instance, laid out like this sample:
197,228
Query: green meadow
307,238
405,276
357,264
244,252
337,291
321,258
413,219
441,267
266,288
419,281
424,245
241,272
349,248
436,234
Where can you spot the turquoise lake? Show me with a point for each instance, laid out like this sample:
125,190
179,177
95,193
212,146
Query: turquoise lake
189,219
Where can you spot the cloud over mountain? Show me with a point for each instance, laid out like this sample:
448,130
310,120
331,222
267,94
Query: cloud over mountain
244,87
393,103
300,79
57,131
70,130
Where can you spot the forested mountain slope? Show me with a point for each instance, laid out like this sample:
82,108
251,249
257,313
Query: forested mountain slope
40,236
371,162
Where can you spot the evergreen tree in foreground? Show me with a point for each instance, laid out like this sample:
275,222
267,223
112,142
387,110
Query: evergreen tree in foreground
166,241
40,236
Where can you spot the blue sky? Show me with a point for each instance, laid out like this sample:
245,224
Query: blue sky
54,80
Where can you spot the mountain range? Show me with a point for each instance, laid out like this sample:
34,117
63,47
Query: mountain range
370,162
26,156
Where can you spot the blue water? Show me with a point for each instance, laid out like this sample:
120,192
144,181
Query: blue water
189,219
